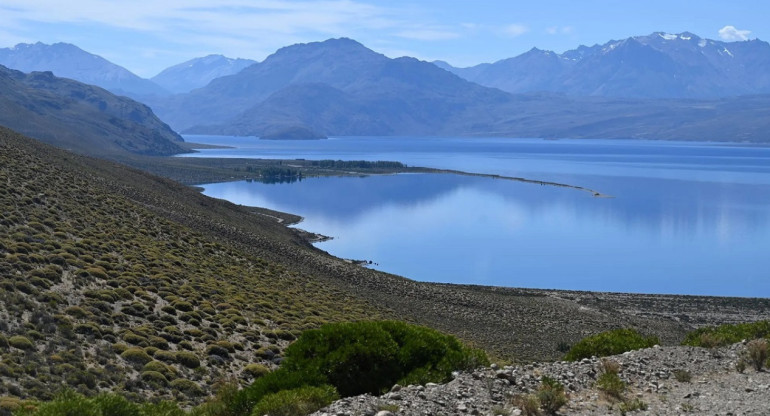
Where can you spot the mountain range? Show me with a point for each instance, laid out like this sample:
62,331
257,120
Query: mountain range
660,86
659,65
80,117
68,61
340,87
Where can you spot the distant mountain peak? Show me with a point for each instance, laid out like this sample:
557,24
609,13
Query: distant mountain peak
341,44
69,61
198,72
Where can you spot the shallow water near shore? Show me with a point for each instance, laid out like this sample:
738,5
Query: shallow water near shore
685,218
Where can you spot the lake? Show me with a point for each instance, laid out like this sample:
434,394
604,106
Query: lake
684,218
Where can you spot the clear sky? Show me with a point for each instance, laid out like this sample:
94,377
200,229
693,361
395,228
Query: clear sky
147,36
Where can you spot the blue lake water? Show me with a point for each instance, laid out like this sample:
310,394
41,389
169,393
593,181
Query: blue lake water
685,218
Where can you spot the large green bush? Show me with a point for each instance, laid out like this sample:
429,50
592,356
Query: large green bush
610,343
367,357
727,334
362,357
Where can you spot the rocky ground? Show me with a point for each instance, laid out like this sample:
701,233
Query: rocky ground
656,377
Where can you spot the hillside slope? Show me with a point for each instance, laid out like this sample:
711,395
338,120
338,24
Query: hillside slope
81,117
94,262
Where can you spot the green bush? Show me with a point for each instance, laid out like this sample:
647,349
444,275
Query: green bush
21,342
69,403
154,378
116,405
300,401
187,387
368,357
163,408
241,402
167,356
136,356
255,370
727,334
188,359
610,343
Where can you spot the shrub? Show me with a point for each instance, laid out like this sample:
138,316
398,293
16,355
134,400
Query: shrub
300,401
610,343
367,357
21,342
135,339
167,356
255,370
159,367
154,378
682,376
188,359
163,408
69,403
727,334
551,395
528,403
215,349
136,355
183,306
115,405
187,387
609,381
632,406
757,353
76,312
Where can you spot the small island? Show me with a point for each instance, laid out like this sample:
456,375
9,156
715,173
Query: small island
292,133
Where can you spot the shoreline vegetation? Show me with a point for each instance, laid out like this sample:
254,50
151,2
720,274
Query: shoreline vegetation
195,171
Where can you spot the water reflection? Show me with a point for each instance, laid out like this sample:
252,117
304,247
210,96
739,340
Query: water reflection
657,235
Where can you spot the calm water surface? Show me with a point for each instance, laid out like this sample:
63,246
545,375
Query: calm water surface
684,218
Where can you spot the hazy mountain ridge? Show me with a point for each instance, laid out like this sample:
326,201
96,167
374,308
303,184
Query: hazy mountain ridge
81,117
659,65
198,72
68,61
339,87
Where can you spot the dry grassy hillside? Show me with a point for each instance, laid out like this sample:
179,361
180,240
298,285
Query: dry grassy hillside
101,292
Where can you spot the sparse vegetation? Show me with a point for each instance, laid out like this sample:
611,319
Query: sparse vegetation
632,406
682,376
529,404
551,395
756,351
89,249
609,381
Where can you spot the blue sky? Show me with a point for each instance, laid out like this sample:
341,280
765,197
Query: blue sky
148,36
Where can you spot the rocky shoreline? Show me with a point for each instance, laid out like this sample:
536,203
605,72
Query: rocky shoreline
663,380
